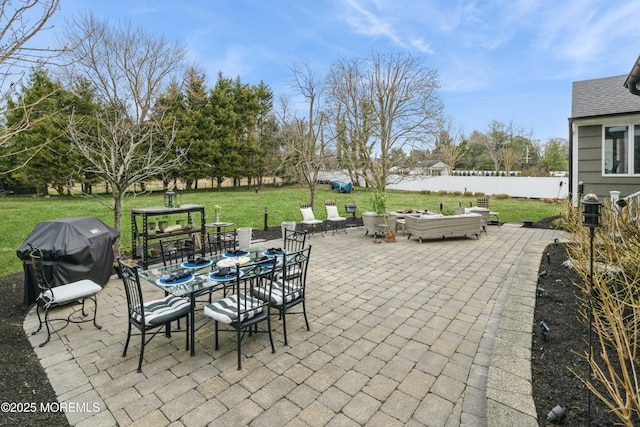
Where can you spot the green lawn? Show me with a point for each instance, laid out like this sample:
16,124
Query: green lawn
242,206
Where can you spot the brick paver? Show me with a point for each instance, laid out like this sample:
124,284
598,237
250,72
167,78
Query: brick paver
401,334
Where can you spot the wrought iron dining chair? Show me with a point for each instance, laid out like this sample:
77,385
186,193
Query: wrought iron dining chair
294,240
333,217
309,221
155,315
222,241
288,288
241,310
176,251
51,297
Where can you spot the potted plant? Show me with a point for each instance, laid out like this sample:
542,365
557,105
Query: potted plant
163,223
151,228
373,220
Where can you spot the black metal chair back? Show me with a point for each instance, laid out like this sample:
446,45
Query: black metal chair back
133,292
290,286
178,250
294,240
155,315
242,309
221,242
55,296
38,269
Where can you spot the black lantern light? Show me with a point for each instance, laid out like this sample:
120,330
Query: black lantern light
170,199
590,218
591,211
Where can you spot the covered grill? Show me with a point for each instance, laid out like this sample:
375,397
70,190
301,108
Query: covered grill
73,248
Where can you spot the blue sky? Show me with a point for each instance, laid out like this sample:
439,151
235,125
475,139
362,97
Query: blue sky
512,61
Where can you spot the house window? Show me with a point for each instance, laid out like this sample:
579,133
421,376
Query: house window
621,150
636,149
616,150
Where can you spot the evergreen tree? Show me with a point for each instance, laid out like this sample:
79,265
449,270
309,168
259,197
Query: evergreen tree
45,156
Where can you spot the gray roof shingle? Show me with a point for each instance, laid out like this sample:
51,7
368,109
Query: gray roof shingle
602,97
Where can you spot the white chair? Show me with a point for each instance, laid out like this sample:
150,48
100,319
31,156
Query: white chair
309,221
333,217
57,296
483,202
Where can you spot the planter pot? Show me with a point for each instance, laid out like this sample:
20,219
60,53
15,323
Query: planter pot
151,228
162,225
372,222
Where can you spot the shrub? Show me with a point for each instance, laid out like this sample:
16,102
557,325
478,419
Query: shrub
500,196
613,305
457,193
468,193
479,194
443,192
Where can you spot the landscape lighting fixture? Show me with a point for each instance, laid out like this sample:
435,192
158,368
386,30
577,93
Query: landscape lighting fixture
591,218
544,329
170,199
556,415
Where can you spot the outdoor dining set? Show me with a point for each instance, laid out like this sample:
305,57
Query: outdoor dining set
239,288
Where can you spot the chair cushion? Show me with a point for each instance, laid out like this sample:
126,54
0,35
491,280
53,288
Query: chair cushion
332,211
72,291
164,310
226,310
278,291
307,214
292,271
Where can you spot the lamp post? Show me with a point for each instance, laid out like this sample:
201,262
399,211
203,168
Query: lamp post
591,218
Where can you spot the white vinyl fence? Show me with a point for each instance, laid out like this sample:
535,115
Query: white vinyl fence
514,186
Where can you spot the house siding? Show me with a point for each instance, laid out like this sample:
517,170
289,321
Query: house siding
590,172
595,103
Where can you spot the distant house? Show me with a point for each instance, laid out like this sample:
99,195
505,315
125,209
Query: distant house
604,135
431,168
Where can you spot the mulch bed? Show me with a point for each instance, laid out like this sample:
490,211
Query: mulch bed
22,379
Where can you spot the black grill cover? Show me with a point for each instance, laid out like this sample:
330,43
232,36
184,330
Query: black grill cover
73,248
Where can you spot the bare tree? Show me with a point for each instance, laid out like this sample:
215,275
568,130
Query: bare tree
505,144
351,113
510,155
390,101
303,140
451,145
122,152
20,21
130,69
127,66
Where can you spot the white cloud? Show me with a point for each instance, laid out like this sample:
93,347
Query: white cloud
366,22
422,46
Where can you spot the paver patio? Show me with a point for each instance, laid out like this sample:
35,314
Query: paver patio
431,334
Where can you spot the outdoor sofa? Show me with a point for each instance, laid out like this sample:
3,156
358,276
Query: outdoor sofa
442,226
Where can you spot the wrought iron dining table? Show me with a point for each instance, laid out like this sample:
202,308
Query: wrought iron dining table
199,279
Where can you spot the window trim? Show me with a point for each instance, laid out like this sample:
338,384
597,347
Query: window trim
632,126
